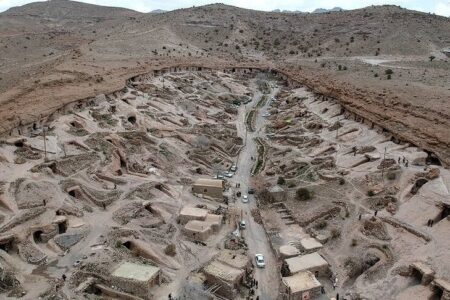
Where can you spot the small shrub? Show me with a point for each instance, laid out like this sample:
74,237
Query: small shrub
375,75
370,193
281,180
389,72
321,225
335,233
170,250
354,243
303,194
341,180
391,176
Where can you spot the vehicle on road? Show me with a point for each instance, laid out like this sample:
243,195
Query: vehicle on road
242,224
233,168
228,174
266,114
251,191
245,199
260,263
77,263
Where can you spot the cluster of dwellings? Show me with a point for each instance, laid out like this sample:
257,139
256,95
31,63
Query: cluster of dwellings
304,271
305,266
227,272
426,276
198,223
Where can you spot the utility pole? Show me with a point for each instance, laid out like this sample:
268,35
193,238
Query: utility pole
337,129
45,143
382,169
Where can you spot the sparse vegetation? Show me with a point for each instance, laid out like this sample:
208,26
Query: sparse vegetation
170,250
303,194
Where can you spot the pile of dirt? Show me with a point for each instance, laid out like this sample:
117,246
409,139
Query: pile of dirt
375,227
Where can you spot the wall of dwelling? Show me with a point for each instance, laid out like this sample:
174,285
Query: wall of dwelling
426,278
321,271
279,196
227,289
106,291
198,235
183,219
301,295
134,287
210,191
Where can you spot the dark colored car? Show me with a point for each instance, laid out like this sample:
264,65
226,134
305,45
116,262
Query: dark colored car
251,191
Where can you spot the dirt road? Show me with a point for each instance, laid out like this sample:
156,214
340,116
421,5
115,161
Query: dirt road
255,236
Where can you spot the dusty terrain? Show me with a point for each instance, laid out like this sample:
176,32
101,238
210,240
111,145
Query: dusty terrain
338,122
48,60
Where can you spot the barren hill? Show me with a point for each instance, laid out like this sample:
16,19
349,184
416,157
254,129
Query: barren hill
60,51
60,10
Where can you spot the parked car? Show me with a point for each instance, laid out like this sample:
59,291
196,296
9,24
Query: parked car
251,191
266,114
228,174
242,224
245,199
260,261
233,168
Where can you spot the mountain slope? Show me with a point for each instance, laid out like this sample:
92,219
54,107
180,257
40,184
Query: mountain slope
65,9
51,60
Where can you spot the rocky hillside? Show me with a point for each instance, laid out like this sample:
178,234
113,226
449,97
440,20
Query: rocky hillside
59,51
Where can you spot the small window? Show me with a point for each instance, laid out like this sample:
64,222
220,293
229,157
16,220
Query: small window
205,190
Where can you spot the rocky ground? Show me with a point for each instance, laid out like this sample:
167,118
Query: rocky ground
111,178
48,60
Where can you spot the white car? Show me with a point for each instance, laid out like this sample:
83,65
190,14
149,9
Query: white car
266,114
242,224
260,261
228,174
245,199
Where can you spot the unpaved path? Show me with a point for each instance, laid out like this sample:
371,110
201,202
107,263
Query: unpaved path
255,236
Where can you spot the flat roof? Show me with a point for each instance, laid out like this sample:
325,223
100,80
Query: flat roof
444,284
310,243
135,271
194,212
223,271
209,182
423,268
197,226
233,259
214,219
305,262
302,281
288,250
